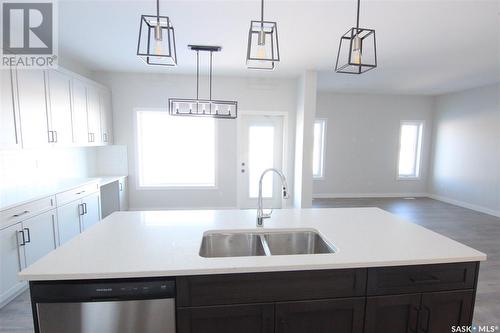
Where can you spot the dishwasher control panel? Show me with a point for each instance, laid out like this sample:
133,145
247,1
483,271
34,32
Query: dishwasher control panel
95,290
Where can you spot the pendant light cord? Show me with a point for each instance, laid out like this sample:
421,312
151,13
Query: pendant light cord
211,75
262,13
197,76
158,11
357,18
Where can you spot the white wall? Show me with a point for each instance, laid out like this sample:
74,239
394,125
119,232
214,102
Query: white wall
304,132
362,142
141,91
466,168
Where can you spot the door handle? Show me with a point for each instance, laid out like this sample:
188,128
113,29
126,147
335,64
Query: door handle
22,235
51,136
120,186
85,208
55,136
28,240
80,209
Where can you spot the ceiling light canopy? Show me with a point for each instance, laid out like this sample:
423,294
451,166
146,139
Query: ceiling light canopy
156,44
203,107
357,50
263,49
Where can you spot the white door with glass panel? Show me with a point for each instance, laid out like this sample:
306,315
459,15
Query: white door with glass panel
260,148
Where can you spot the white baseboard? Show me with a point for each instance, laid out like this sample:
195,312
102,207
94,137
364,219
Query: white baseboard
463,204
12,293
366,195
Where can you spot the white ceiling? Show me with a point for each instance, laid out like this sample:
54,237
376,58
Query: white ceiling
424,46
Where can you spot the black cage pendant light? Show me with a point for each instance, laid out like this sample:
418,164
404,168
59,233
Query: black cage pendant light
156,44
357,50
263,49
198,107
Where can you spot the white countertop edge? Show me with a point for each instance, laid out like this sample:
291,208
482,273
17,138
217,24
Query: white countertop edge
248,269
101,180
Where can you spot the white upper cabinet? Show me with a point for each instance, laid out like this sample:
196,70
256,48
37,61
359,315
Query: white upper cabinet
80,130
32,108
106,116
93,115
59,96
53,107
9,117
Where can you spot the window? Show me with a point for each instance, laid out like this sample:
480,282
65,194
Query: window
175,151
410,144
319,148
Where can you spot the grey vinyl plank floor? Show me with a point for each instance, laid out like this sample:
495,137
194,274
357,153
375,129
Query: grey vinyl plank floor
480,231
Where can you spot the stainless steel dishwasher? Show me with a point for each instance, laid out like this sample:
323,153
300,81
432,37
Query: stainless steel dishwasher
104,306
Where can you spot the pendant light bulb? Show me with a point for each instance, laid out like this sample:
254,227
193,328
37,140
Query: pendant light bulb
158,40
356,50
261,45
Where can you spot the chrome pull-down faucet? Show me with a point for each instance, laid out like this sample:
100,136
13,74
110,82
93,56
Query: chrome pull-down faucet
260,212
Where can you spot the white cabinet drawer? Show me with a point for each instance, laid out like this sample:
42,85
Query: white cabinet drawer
22,212
76,193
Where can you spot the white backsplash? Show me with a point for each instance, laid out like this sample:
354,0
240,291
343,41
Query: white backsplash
45,166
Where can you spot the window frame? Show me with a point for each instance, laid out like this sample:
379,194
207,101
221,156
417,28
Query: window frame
418,158
324,121
138,185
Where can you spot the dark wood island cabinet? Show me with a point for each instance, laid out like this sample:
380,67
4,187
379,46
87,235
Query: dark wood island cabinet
400,299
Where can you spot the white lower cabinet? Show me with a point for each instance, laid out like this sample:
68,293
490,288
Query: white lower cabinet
21,245
77,216
39,236
92,213
68,217
11,262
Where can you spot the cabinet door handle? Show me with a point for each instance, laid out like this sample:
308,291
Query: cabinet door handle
28,240
80,209
24,239
414,312
120,186
55,136
431,279
85,208
426,317
21,214
81,192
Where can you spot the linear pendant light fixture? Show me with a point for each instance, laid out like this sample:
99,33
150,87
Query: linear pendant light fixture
156,44
263,49
357,50
203,107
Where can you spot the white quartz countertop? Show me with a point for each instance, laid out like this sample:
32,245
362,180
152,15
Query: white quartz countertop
167,243
15,196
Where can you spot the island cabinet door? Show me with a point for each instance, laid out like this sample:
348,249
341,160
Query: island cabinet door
250,318
392,314
442,310
321,316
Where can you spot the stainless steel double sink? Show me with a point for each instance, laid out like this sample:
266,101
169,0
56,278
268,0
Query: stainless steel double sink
263,243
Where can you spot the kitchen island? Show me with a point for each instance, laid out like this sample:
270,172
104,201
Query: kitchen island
386,274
